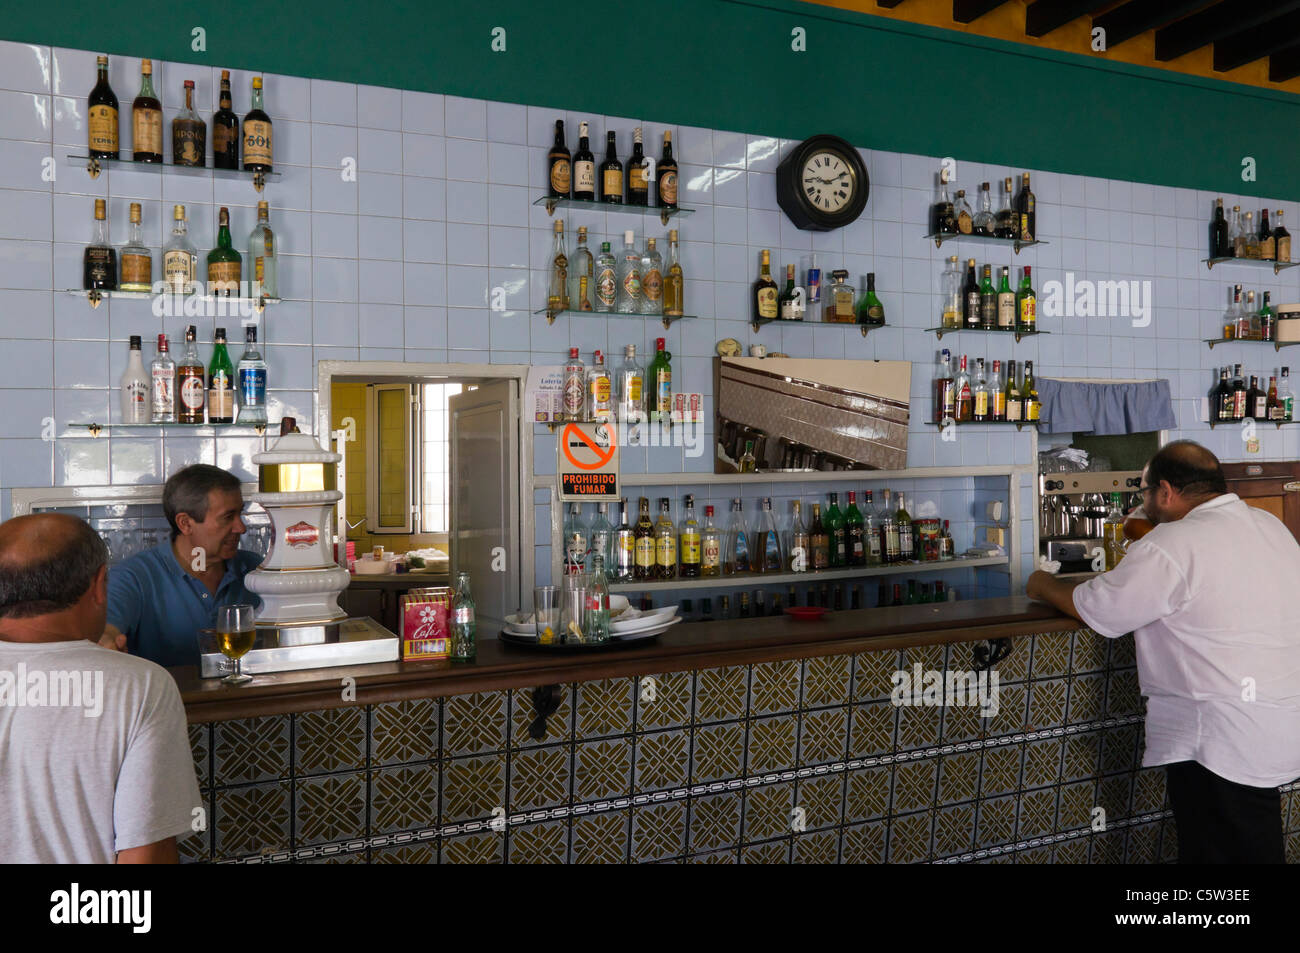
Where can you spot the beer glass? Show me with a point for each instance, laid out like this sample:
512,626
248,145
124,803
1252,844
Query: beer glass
235,636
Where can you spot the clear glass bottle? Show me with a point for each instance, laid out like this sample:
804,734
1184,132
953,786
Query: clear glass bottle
691,543
162,385
189,133
629,388
581,263
461,623
980,393
605,290
262,279
575,386
557,299
871,529
180,261
983,221
599,402
135,387
1249,237
251,374
665,542
596,630
1113,533
1004,225
769,556
738,556
674,281
137,260
1235,236
946,548
799,542
629,277
577,541
622,548
965,218
710,547
601,536
950,295
652,279
1250,318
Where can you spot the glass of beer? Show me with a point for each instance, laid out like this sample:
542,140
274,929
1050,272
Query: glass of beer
235,636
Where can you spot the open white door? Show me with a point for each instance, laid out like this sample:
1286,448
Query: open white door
484,435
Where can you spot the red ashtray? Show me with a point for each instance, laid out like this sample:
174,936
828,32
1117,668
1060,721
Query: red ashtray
806,612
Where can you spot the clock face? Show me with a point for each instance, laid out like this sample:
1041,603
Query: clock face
828,181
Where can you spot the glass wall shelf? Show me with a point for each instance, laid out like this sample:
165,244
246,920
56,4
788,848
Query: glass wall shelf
1252,262
178,303
96,166
864,328
229,430
1277,345
667,319
551,203
940,332
1015,243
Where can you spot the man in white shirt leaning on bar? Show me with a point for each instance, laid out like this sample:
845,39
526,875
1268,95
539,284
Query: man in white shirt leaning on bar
1210,597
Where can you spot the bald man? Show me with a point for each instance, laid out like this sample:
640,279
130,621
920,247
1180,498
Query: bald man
1209,596
95,761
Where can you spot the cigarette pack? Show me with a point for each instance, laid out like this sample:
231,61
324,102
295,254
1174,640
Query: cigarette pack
687,408
423,624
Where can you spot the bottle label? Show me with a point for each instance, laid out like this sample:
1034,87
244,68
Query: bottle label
873,546
964,223
634,389
192,392
972,308
821,555
666,551
652,285
1031,408
584,176
611,182
632,283
146,130
981,403
189,142
711,552
252,387
561,176
1028,312
840,545
905,540
223,277
1000,404
1267,248
645,552
221,398
575,550
876,313
1006,310
463,616
855,542
136,393
668,187
257,142
606,287
162,396
767,302
690,548
1013,409
573,393
137,269
600,390
102,123
771,550
636,178
225,139
99,261
178,269
259,270
664,391
741,555
1261,408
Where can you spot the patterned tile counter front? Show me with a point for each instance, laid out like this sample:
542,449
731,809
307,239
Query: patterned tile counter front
798,760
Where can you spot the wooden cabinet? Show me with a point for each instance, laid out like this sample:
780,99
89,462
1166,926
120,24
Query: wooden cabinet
365,602
380,597
1274,487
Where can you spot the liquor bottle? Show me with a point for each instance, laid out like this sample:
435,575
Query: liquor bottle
927,596
638,187
674,280
888,532
1006,302
1234,315
1267,319
666,175
146,119
855,532
1235,234
965,220
630,298
738,554
1221,398
189,133
710,547
799,541
764,293
101,115
629,386
659,400
945,396
769,548
1015,408
665,542
906,540
1281,239
643,542
970,297
943,215
578,265
870,311
623,545
221,383
137,260
135,387
262,278
557,298
597,628
1272,408
980,410
1239,393
836,533
180,261
747,463
1251,317
1267,243
988,301
1030,393
191,382
819,541
577,542
99,260
1256,400
964,395
724,608
997,393
225,129
251,375
460,622
601,540
1285,399
856,601
224,263
744,605
652,279
257,134
599,404
790,305
162,385
1026,303
611,173
691,545
1004,225
1220,246
1026,214
1112,533
1249,237
950,300
872,530
584,168
947,551
983,223
574,392
559,173
606,281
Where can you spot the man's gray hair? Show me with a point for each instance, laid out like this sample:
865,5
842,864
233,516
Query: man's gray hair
55,579
186,491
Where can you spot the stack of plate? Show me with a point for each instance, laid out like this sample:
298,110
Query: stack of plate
645,626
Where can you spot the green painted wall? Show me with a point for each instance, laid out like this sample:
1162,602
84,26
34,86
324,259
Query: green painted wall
729,65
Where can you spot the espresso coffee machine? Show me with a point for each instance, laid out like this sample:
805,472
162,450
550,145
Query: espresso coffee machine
1072,508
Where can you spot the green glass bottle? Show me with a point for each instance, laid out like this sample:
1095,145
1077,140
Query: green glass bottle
855,531
837,533
659,395
221,382
224,263
870,311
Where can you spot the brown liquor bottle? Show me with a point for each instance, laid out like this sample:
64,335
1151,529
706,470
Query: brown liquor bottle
146,119
189,134
611,173
643,543
765,293
638,188
191,382
101,115
559,171
257,134
666,175
225,130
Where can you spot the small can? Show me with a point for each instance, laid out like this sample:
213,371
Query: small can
814,278
377,552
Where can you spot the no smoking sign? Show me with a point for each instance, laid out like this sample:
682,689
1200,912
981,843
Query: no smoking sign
588,462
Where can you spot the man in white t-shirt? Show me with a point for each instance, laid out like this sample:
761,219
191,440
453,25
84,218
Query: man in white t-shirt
1209,595
95,762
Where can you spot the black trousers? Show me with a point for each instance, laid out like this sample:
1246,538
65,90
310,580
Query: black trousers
1222,822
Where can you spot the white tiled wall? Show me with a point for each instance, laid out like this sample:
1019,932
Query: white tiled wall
398,264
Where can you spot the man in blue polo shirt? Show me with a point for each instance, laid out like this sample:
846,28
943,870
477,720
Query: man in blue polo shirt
160,599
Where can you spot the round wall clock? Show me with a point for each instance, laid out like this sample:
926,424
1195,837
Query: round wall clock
822,184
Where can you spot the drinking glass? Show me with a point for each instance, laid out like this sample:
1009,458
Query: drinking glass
235,636
546,613
573,609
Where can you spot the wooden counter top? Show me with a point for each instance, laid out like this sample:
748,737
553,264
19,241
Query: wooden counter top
694,645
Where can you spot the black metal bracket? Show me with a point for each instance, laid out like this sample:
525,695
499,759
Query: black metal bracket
990,653
546,701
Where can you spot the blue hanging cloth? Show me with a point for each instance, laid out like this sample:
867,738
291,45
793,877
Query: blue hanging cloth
1105,409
